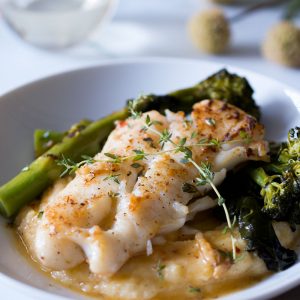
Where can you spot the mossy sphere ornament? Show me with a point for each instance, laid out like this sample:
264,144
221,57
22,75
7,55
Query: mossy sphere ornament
282,44
210,31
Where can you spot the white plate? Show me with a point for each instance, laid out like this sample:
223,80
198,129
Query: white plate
58,101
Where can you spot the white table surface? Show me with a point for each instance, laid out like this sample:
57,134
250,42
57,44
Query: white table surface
142,28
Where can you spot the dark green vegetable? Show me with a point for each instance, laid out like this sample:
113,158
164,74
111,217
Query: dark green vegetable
35,178
275,148
222,85
276,190
245,203
274,194
279,181
291,152
260,235
45,139
225,86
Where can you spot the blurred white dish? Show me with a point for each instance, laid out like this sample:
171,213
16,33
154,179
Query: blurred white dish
56,23
58,101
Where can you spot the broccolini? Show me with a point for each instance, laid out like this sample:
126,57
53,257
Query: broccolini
245,204
222,85
280,181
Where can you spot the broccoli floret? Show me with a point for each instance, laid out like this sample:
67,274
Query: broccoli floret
276,190
294,214
230,88
291,152
280,181
222,85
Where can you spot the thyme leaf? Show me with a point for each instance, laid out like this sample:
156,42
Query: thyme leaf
113,177
194,290
215,142
132,109
139,155
159,269
182,142
165,137
194,135
206,175
136,165
70,166
115,158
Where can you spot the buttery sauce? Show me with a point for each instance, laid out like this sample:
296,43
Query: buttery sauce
78,280
173,271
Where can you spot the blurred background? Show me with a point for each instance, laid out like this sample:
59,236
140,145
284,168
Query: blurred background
42,37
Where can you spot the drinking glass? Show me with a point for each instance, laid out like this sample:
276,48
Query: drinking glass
56,23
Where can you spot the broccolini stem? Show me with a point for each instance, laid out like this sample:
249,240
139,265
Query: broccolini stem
259,176
45,139
35,178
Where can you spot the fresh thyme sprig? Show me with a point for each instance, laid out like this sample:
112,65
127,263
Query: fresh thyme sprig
206,174
164,137
132,109
70,166
159,269
116,159
138,154
221,202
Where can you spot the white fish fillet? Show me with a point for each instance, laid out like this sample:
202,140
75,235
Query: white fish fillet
106,220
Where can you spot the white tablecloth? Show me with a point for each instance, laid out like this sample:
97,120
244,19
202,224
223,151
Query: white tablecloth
143,28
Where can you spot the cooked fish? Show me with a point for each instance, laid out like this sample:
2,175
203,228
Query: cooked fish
110,211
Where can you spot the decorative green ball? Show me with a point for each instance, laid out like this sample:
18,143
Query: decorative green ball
210,31
282,44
